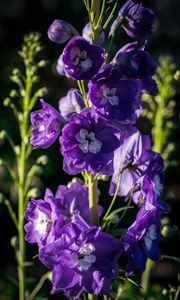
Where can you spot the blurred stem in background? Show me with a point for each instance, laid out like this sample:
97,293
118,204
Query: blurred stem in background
159,110
22,101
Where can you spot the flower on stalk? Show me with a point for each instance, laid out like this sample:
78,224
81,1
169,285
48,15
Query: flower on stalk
136,20
81,60
73,200
41,216
47,124
87,34
115,97
84,259
141,240
130,161
85,143
137,64
61,31
150,186
71,104
46,218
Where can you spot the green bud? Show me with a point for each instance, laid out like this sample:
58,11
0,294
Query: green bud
1,162
114,219
42,160
42,64
165,221
7,102
38,170
34,193
103,177
42,92
14,94
17,150
177,75
168,231
74,180
2,198
2,134
14,241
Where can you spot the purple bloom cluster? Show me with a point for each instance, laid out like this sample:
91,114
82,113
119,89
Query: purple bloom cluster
98,137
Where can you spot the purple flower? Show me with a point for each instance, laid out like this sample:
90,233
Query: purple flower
61,31
81,60
134,62
71,104
141,240
136,20
150,186
84,259
137,64
85,143
47,217
87,34
116,98
46,123
73,200
42,216
130,161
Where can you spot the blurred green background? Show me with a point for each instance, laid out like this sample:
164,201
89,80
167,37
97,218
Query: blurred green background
18,17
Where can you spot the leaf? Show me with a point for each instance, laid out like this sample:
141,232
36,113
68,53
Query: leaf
177,259
131,281
117,211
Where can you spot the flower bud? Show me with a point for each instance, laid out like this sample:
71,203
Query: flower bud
71,104
87,34
42,160
61,31
34,193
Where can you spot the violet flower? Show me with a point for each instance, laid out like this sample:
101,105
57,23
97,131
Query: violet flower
137,64
84,259
141,240
130,161
47,124
136,20
81,60
73,200
151,185
41,216
85,143
61,31
71,104
87,34
115,97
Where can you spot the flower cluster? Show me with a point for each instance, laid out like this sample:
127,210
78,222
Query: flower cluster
98,137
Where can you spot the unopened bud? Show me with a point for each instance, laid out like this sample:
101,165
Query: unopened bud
34,193
168,231
14,241
42,63
2,134
42,160
177,75
61,31
7,102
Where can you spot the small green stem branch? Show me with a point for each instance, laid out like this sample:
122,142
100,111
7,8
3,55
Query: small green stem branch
93,200
113,199
158,127
39,286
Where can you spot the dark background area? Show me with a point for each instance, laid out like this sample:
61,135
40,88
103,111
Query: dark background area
19,17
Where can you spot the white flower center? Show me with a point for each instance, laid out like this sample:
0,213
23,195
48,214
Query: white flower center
150,236
109,94
88,142
42,128
41,223
84,259
158,186
80,59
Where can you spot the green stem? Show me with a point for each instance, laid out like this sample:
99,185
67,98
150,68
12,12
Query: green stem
21,188
146,277
95,13
114,198
38,286
93,200
158,127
